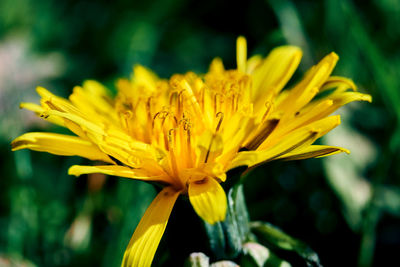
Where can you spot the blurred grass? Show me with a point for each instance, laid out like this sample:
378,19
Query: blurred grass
67,42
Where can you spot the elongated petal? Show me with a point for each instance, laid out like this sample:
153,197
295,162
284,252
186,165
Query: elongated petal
272,75
144,77
322,126
315,151
326,106
341,82
89,126
304,91
208,199
112,141
296,140
59,144
241,53
144,242
39,110
121,171
54,102
217,66
96,106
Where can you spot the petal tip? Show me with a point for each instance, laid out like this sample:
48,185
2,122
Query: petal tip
241,38
41,91
367,98
334,56
73,170
15,145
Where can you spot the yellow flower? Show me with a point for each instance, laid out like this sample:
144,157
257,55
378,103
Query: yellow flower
187,132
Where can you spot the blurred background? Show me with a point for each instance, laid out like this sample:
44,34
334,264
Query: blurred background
346,207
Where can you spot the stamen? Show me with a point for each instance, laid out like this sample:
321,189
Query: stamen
162,115
201,97
154,119
218,99
171,140
172,98
221,118
209,148
233,102
180,103
175,121
170,137
189,148
127,115
149,107
268,110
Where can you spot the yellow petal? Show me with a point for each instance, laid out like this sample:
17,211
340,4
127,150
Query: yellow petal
253,63
59,144
120,171
144,77
208,199
94,88
236,131
209,146
337,81
240,128
79,125
321,126
144,242
315,151
272,75
217,66
92,101
325,106
241,53
39,110
310,85
265,129
283,145
113,142
292,142
54,102
306,116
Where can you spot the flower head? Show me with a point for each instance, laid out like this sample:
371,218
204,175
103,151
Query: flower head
187,132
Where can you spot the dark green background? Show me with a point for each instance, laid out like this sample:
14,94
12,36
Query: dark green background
59,44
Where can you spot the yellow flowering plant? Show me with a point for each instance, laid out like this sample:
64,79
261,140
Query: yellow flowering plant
185,133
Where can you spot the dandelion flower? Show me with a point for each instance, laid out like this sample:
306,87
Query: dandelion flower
185,133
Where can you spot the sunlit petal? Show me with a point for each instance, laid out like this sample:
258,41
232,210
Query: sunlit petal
59,144
144,242
208,199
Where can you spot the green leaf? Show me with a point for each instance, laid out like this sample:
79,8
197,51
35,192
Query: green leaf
278,240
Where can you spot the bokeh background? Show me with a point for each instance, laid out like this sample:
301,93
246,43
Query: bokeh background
346,207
